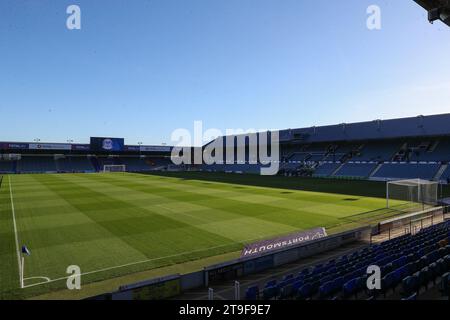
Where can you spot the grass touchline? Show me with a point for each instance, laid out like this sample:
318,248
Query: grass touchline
15,232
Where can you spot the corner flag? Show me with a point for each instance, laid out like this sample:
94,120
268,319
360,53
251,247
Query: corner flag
25,250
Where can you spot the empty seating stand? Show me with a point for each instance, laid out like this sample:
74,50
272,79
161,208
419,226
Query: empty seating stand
326,169
407,171
138,164
6,166
446,175
441,152
36,164
74,164
135,164
79,163
377,151
362,170
409,264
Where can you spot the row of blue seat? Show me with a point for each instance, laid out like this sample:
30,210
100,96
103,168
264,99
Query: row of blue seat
347,274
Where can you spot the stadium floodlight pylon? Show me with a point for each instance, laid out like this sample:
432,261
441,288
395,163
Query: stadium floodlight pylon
414,191
114,168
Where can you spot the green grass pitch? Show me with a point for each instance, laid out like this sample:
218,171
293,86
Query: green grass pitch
115,224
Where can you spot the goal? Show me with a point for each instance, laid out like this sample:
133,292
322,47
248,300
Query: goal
114,168
411,192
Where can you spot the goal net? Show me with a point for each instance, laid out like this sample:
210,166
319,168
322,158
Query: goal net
410,193
114,168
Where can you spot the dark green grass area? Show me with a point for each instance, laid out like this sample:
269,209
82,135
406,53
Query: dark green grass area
362,188
112,225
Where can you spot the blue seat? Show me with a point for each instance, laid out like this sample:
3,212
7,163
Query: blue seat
412,256
441,268
400,262
423,262
281,284
327,279
410,285
270,293
433,256
427,276
271,283
411,268
299,278
421,278
304,272
288,277
411,297
349,276
434,271
421,252
326,289
447,262
297,285
397,276
426,260
252,293
332,270
444,286
287,292
317,269
351,288
338,283
304,292
387,282
446,249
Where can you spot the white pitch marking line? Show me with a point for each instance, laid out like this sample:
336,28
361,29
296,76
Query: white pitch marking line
15,232
141,262
35,284
45,278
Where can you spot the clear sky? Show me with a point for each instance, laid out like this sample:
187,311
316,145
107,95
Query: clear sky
140,69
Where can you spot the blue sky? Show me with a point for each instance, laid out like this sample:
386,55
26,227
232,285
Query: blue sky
141,69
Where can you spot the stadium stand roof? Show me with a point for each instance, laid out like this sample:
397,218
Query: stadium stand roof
420,126
437,10
66,147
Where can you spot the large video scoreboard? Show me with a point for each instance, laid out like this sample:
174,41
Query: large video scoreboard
107,144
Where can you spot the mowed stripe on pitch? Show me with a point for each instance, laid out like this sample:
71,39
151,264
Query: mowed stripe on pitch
294,212
152,234
76,240
104,220
231,225
246,214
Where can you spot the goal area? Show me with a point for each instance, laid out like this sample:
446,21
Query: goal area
411,192
114,168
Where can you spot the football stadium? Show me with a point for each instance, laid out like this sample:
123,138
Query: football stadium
127,215
348,199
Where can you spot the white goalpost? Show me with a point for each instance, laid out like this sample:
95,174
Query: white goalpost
114,168
412,191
